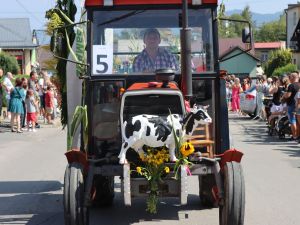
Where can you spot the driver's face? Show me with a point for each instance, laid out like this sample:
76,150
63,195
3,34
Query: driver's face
152,40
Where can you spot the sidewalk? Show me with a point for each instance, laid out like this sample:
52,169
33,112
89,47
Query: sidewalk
5,124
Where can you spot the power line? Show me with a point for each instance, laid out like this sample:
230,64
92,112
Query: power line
37,19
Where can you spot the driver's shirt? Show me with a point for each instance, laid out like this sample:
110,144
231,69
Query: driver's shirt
163,60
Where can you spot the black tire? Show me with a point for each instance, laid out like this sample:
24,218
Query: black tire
233,210
206,184
104,187
66,195
254,113
251,115
76,197
281,135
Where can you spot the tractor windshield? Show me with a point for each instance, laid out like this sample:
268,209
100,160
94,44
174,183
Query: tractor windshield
141,41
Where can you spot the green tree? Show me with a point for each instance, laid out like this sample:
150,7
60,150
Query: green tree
229,29
62,14
246,14
278,58
8,63
272,31
285,69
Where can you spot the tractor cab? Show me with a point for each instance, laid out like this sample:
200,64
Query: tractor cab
119,54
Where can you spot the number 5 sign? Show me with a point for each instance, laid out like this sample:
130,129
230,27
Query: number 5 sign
102,59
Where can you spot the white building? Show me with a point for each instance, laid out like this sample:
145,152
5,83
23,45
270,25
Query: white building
293,31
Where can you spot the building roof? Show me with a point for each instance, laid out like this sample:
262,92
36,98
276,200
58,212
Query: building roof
15,33
265,45
226,44
291,6
229,51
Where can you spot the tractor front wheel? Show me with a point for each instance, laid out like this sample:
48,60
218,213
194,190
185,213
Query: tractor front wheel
75,213
232,209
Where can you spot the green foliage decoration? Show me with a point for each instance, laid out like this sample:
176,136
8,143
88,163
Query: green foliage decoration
63,14
79,118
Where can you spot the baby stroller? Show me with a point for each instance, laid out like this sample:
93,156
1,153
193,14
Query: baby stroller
272,129
283,126
268,102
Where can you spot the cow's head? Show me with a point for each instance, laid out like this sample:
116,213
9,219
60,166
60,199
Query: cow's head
200,114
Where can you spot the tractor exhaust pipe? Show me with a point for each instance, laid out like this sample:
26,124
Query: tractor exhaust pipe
186,56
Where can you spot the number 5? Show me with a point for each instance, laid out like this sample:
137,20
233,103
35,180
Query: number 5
104,64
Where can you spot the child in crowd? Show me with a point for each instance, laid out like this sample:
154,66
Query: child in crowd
49,103
31,106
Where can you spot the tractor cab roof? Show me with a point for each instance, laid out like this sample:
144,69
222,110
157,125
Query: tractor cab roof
102,3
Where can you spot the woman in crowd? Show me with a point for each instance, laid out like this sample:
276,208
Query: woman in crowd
236,89
277,90
246,85
16,106
228,94
24,90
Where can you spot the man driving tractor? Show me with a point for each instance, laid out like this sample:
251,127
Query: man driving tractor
154,57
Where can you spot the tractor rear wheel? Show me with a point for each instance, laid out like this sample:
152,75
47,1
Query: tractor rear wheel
231,212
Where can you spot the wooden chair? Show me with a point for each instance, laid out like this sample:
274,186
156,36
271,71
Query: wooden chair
201,138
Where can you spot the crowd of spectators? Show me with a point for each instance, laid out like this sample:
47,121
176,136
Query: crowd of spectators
28,100
282,91
233,90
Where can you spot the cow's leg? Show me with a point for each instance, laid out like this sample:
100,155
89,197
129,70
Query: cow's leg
122,155
140,151
172,153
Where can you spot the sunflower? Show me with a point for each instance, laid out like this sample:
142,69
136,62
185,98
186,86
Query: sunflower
139,170
167,169
186,149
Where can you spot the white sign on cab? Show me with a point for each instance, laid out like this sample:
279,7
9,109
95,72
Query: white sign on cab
102,59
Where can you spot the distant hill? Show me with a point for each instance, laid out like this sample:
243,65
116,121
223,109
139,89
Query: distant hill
259,18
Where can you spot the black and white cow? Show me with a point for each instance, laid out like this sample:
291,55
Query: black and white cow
154,131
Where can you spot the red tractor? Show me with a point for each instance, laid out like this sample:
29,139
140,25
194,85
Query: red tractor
125,79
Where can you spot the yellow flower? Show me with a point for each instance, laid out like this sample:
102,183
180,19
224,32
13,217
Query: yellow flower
167,169
186,149
139,170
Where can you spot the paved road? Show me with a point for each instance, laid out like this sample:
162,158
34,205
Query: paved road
32,166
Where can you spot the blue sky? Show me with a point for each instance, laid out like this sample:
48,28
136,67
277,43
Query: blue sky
35,9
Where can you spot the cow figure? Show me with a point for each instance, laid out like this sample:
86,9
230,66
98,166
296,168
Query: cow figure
154,131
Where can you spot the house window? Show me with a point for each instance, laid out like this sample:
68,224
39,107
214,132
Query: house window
264,56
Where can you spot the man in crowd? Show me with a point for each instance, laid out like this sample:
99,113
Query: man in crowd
1,92
289,97
32,84
7,84
154,57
